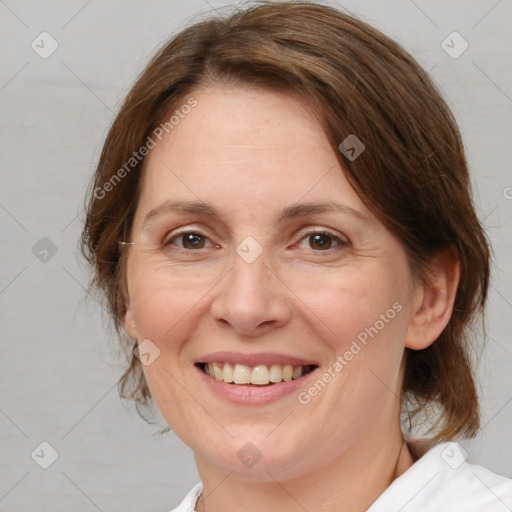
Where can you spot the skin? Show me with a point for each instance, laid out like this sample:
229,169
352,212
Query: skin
249,153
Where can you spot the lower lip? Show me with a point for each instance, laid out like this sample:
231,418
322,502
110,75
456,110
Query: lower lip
253,395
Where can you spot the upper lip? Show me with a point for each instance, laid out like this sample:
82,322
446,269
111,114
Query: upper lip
267,358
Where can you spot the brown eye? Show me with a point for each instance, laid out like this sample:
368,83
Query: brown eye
320,241
193,241
188,240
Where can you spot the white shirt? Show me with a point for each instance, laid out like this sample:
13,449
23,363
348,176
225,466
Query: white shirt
440,481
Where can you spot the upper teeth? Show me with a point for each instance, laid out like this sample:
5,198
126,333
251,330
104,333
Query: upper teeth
259,375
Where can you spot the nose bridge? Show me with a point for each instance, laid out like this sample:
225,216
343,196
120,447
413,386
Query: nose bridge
249,275
250,298
251,266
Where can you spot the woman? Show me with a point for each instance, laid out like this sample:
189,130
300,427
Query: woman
282,224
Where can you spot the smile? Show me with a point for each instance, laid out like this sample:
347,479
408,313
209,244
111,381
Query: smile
258,375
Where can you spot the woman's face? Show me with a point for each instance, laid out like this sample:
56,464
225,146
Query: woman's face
251,248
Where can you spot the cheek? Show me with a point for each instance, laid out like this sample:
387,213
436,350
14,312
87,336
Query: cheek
350,303
361,324
166,311
359,321
163,301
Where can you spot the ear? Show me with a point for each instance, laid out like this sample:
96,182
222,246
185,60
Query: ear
128,321
433,301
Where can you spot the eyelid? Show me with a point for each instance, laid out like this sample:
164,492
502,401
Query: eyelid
179,232
185,228
303,234
342,240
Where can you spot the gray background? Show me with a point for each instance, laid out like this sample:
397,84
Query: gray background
58,372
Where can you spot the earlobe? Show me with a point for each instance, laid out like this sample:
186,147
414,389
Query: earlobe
129,324
435,299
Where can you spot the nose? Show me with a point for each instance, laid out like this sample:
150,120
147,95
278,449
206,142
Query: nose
251,300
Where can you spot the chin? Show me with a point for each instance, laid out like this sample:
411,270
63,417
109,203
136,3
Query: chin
255,455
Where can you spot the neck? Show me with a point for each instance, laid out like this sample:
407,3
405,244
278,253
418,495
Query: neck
351,482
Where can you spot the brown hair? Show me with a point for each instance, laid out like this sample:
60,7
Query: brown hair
412,175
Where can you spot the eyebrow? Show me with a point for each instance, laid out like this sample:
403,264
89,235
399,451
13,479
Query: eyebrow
289,212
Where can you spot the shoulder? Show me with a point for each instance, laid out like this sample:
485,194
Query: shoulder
442,481
189,501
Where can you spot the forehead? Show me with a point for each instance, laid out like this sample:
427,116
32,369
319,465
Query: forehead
244,149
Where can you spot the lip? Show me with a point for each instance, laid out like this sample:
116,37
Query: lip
254,395
267,358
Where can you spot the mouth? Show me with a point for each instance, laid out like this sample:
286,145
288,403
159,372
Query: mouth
254,379
259,375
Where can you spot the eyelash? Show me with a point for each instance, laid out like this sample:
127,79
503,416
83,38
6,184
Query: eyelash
339,241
